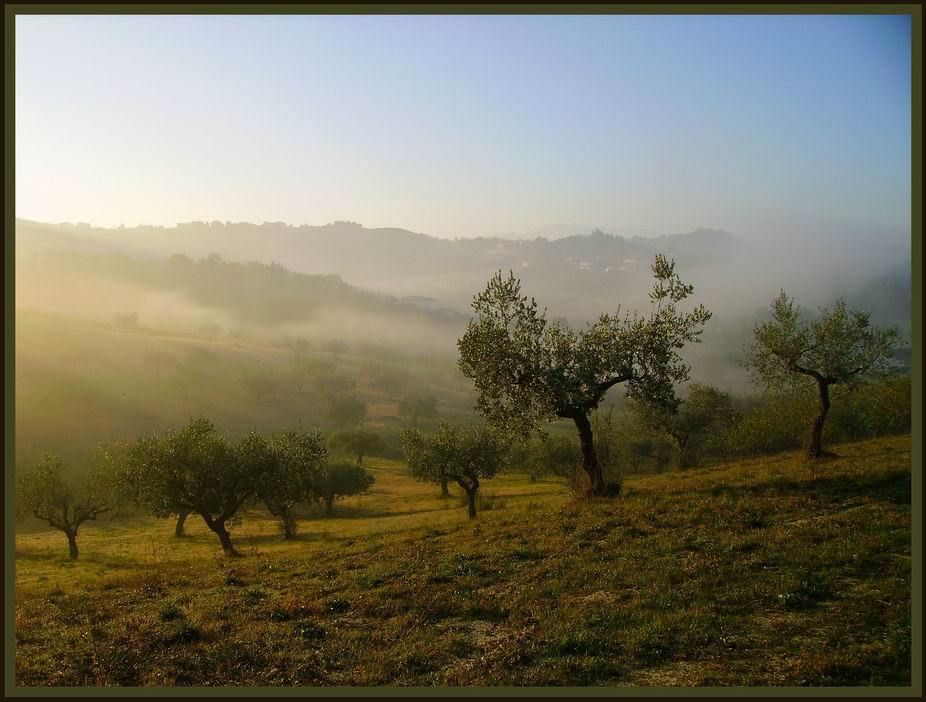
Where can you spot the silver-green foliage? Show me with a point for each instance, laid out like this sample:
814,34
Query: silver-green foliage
461,453
529,371
837,347
43,492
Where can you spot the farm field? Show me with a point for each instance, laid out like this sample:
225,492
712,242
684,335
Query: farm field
758,572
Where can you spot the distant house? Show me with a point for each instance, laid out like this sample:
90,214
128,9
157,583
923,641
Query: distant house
584,265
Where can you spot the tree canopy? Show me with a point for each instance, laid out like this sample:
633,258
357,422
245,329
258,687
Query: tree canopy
337,480
839,346
194,469
529,371
45,493
689,423
462,453
294,461
358,442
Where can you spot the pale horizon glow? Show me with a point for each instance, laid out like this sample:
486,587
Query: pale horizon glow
470,125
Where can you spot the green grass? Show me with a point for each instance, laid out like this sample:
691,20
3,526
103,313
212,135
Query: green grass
755,573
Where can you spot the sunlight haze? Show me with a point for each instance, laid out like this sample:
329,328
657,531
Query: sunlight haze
469,126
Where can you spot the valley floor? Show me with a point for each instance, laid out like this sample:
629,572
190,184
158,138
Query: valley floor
760,572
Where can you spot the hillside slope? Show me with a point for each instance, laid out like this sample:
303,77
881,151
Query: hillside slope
754,573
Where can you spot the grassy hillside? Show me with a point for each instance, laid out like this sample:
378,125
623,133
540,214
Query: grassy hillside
79,383
754,573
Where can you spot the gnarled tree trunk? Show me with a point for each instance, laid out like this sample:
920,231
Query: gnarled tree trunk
815,441
218,527
444,489
589,458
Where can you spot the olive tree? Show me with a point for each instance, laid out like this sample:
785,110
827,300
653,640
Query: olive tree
691,422
418,407
337,480
529,371
46,494
193,469
463,454
838,347
557,455
346,411
358,442
292,462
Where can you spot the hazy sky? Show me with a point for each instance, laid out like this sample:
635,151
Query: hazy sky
462,126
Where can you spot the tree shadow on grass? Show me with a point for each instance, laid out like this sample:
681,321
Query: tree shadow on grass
891,486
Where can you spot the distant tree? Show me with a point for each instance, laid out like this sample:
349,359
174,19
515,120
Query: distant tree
195,470
346,411
554,455
839,347
689,423
336,347
635,452
358,442
43,492
292,464
463,454
529,372
337,480
239,335
417,407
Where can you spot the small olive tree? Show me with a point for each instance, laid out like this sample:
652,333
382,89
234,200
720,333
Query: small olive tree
337,480
358,442
43,492
195,470
838,347
691,422
529,371
293,462
463,454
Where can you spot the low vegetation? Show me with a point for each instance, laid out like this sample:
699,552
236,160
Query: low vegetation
759,572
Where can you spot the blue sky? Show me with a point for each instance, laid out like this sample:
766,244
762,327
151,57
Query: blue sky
465,126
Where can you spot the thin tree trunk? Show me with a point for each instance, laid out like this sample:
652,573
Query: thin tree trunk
329,506
589,458
360,459
471,492
815,444
444,489
181,519
72,544
684,457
